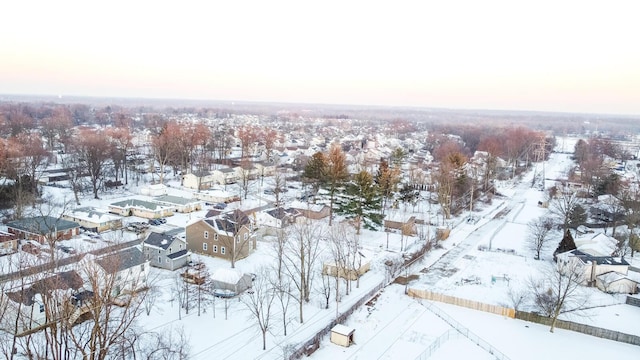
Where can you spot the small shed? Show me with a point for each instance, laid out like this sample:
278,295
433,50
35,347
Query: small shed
232,280
342,335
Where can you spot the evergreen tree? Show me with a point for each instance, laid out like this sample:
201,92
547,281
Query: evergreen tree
361,202
566,244
387,179
315,172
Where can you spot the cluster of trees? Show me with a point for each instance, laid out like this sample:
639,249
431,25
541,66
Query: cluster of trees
81,324
363,196
594,158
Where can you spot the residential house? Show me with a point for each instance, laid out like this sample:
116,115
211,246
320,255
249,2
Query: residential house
277,218
616,283
165,251
41,228
199,180
93,219
355,266
26,309
225,176
154,190
229,236
596,244
311,211
264,168
129,267
141,208
405,224
180,204
8,243
592,266
216,196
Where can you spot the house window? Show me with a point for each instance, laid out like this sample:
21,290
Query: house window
41,307
215,248
169,250
246,236
206,234
141,267
222,250
215,237
159,260
158,251
204,246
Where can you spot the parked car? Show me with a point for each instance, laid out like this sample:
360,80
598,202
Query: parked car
155,222
220,206
162,220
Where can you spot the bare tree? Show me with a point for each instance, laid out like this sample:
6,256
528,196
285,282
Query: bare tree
94,149
557,291
281,282
109,326
301,255
539,229
259,300
562,203
168,345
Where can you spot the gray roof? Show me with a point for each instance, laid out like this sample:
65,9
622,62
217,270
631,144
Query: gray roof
162,241
60,281
175,200
177,254
137,203
122,260
42,224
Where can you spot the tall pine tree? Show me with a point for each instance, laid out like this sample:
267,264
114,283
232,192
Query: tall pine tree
361,202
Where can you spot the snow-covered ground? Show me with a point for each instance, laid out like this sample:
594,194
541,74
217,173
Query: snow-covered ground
396,326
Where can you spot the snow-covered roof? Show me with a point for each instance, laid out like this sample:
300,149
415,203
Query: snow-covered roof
230,276
342,330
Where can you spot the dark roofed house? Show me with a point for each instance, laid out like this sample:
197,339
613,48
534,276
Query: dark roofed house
41,228
129,267
166,251
28,302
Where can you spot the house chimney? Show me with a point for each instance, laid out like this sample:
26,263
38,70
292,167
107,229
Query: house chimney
592,281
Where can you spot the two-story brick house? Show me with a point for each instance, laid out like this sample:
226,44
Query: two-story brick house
229,235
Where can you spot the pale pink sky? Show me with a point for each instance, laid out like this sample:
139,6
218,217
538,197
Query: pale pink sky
576,56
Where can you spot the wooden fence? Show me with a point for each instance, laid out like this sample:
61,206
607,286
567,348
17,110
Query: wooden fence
527,316
581,328
471,304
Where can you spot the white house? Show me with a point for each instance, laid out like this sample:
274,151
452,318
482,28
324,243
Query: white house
129,267
199,180
27,304
180,204
93,219
596,244
277,217
592,266
216,196
617,283
154,190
